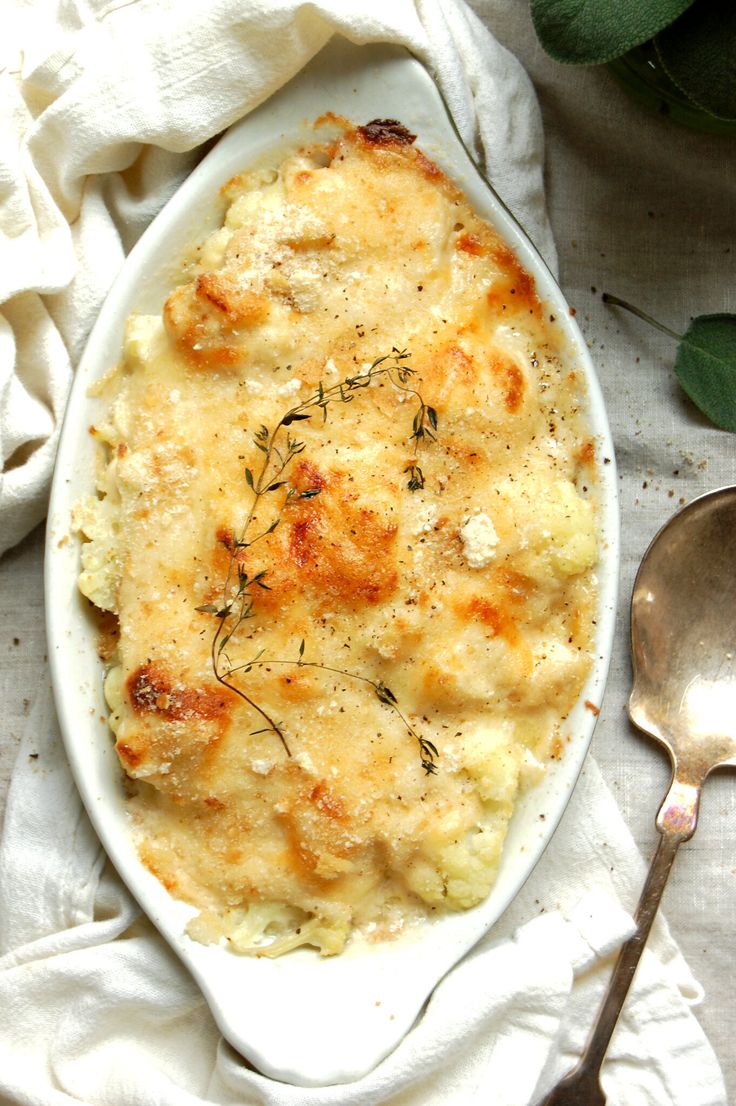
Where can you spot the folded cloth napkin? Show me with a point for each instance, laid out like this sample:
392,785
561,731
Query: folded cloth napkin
105,107
97,1009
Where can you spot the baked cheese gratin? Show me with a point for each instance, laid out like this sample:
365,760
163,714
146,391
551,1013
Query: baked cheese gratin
345,537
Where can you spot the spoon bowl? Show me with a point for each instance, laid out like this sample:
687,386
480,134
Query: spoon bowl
683,644
683,636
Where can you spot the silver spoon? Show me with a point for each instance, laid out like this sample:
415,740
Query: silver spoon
683,641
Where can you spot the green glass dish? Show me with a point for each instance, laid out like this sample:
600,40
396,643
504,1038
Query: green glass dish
642,74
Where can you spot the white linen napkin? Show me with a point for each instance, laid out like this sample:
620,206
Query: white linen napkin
98,1010
104,107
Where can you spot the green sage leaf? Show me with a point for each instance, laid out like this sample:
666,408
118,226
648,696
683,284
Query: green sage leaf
705,364
591,32
698,53
706,367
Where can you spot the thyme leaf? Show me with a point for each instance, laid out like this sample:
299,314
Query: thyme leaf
416,477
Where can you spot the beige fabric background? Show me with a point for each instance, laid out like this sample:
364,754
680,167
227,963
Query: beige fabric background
646,210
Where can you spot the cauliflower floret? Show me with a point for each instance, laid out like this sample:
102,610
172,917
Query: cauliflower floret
424,880
270,929
470,866
554,526
98,521
492,758
143,337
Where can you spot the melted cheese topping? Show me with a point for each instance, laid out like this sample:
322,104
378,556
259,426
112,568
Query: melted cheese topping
470,597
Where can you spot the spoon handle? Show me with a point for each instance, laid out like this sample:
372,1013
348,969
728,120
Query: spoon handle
676,822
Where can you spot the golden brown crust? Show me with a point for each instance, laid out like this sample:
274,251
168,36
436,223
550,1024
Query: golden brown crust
455,572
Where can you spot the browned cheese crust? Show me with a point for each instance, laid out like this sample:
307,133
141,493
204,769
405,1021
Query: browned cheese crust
471,598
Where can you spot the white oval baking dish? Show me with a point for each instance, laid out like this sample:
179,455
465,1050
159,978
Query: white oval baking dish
300,1019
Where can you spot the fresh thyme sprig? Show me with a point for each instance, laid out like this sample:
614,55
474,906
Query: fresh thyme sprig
236,606
384,694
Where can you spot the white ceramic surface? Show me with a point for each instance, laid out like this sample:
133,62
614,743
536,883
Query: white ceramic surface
300,1019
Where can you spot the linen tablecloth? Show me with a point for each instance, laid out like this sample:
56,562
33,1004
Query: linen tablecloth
647,211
